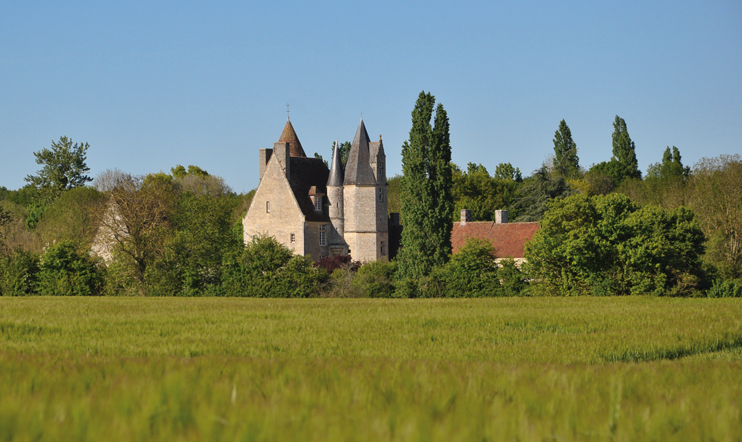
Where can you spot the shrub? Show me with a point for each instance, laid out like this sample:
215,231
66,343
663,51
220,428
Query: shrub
607,244
267,269
66,271
19,273
727,288
376,279
472,272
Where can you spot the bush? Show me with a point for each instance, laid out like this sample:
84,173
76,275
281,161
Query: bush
728,288
608,245
66,271
267,269
376,279
19,274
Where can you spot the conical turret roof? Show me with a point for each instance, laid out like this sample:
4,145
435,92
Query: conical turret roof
336,171
358,168
289,136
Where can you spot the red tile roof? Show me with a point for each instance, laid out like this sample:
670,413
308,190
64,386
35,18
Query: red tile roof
509,239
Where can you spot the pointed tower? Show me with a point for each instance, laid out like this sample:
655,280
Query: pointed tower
289,136
366,220
336,208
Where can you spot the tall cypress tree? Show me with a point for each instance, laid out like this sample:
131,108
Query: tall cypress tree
426,197
566,162
624,152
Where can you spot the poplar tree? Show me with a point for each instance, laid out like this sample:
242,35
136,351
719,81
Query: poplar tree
566,162
426,197
441,179
624,152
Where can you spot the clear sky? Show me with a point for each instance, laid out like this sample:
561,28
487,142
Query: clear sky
152,84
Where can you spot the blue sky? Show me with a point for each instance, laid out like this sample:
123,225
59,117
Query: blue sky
154,84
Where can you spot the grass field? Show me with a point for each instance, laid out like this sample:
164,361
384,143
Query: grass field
621,369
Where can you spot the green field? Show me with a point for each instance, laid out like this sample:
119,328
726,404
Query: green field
625,369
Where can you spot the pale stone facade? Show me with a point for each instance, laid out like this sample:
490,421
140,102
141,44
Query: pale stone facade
319,212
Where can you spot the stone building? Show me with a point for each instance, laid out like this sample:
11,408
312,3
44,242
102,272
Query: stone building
319,212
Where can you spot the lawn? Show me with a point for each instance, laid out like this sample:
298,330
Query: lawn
633,368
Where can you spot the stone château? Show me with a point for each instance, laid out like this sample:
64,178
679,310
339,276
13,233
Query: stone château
318,211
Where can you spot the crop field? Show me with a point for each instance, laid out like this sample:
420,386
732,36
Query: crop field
619,369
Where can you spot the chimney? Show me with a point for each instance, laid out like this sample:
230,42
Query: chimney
265,156
283,151
501,216
465,216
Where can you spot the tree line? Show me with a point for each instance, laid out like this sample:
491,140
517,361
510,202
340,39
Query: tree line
607,229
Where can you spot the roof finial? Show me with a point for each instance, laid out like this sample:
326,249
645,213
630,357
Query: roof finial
287,112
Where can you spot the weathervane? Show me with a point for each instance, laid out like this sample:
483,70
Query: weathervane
287,112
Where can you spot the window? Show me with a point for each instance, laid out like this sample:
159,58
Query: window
381,195
293,238
323,235
383,248
267,207
318,204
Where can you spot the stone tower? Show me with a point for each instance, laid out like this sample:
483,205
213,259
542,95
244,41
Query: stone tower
366,228
336,206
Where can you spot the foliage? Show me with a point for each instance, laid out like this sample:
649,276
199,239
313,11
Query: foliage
506,171
267,269
535,193
63,168
594,245
670,167
475,190
426,193
394,191
332,263
180,172
726,288
472,271
137,222
716,198
624,153
19,273
203,235
66,271
72,216
376,279
566,161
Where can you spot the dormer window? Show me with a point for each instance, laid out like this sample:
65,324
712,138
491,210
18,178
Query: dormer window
318,204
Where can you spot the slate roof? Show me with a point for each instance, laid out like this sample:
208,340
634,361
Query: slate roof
509,239
358,168
336,171
308,173
289,136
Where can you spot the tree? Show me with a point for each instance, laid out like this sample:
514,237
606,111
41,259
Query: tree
506,171
137,222
566,162
64,270
63,168
533,196
716,197
426,197
607,245
671,166
624,153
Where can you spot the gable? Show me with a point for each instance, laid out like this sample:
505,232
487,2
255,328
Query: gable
509,239
276,189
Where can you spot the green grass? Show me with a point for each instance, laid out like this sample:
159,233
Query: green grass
341,369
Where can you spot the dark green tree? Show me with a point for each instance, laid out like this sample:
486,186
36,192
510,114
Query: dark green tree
670,167
624,153
566,162
426,198
63,168
440,174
